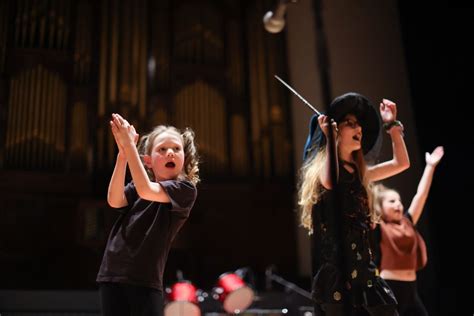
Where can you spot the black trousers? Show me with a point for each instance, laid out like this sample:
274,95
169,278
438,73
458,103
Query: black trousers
128,300
409,303
341,310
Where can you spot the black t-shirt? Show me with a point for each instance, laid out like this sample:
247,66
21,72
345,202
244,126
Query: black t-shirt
138,245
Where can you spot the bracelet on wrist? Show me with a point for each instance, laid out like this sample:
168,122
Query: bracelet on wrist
388,125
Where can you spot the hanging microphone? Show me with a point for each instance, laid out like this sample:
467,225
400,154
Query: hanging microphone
274,22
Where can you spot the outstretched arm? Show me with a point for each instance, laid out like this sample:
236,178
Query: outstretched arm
146,189
400,160
418,202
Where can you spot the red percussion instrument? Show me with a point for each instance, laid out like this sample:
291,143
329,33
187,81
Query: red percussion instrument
182,300
234,294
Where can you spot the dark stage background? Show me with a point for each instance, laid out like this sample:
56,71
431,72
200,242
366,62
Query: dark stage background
440,61
61,79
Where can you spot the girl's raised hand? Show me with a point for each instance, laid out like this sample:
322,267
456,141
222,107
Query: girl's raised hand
117,139
323,122
434,158
124,133
388,111
135,140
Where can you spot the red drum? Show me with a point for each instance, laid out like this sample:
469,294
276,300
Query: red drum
182,300
234,294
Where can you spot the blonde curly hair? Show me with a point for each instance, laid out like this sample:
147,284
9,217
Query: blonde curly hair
191,157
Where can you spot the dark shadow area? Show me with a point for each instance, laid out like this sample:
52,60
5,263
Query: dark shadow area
440,59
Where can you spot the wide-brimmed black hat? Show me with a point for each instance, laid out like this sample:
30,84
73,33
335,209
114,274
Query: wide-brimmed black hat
349,103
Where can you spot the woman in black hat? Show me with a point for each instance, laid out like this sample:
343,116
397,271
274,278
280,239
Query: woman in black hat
335,209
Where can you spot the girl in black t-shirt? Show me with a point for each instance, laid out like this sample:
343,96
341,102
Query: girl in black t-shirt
153,208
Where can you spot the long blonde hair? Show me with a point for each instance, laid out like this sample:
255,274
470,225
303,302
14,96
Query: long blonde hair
191,158
310,188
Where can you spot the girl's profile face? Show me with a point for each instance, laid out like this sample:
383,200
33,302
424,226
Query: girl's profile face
392,207
350,133
167,156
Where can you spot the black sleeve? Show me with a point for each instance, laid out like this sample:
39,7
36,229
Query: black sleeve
374,239
131,193
182,195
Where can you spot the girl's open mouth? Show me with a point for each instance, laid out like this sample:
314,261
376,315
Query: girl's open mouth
170,164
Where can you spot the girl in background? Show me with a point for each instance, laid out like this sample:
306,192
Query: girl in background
402,249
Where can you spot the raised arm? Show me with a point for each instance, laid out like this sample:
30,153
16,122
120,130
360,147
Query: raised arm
325,177
400,160
146,189
115,194
419,200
